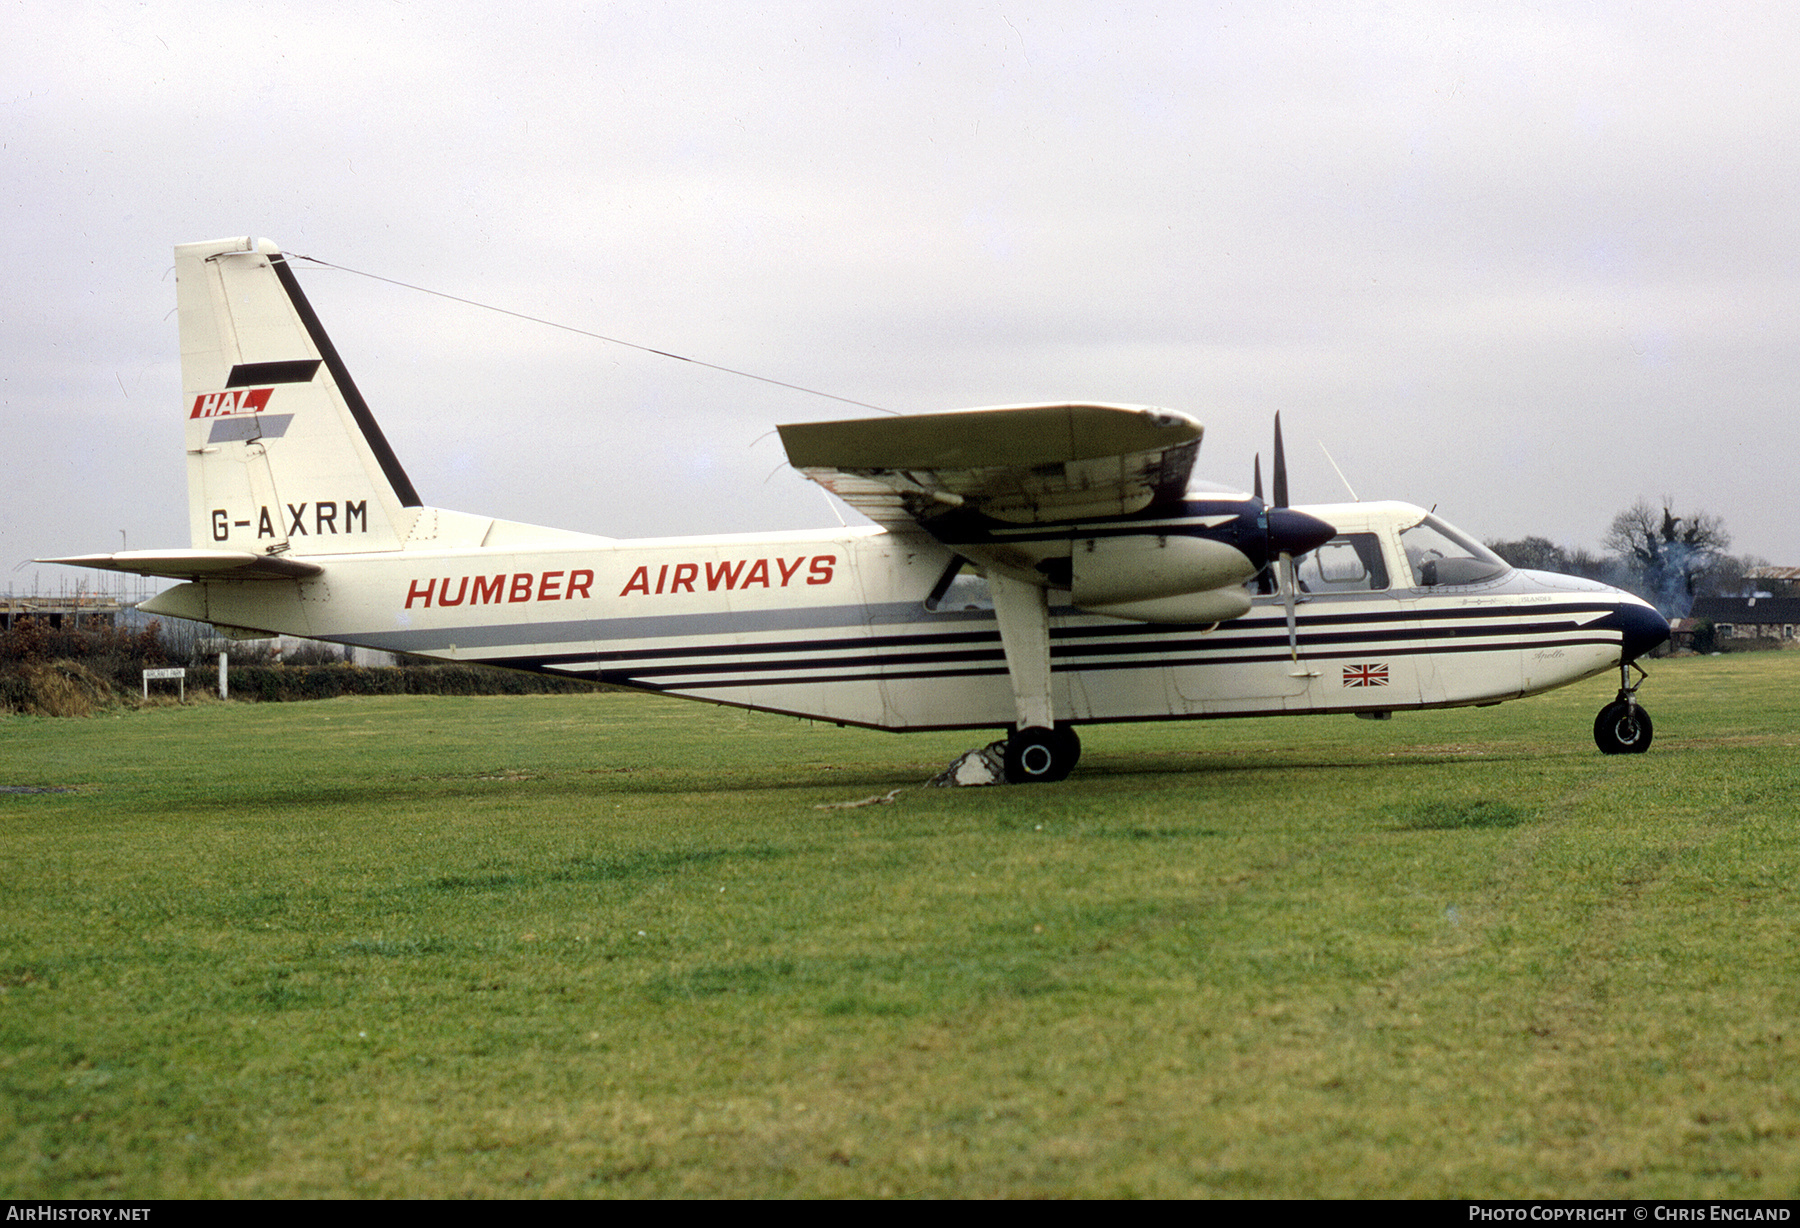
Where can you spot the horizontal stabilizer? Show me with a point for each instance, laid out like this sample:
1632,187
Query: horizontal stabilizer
196,564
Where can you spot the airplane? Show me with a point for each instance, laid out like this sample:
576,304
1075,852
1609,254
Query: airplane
1031,567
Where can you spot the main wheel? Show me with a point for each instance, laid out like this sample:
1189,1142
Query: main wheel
1034,756
1071,743
1622,729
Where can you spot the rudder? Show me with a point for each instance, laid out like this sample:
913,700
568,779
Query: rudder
283,453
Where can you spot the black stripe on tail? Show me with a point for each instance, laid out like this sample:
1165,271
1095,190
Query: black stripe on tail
359,409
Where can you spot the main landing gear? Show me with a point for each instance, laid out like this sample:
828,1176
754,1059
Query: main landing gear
1039,748
1623,728
1041,755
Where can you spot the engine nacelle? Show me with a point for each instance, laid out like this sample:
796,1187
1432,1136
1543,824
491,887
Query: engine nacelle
1214,606
1140,576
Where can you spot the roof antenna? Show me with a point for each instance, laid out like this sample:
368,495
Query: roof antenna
1334,465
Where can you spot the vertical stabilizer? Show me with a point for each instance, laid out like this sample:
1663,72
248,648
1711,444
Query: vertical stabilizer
283,455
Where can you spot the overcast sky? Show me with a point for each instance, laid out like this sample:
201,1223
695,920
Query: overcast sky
1526,262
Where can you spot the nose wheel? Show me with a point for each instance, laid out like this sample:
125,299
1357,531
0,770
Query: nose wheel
1623,727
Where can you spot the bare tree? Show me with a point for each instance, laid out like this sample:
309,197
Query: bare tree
1533,554
1542,554
1670,555
1730,577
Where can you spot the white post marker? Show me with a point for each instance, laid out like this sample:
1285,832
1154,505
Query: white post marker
223,689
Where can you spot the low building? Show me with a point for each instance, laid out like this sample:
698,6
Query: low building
1750,618
79,610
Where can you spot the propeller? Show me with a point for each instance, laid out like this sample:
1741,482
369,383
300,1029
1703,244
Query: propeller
1291,533
1265,579
1281,491
1285,578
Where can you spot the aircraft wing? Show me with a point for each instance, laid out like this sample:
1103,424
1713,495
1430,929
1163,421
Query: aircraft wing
196,564
1025,464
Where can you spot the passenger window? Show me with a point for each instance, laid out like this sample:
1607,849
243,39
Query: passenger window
1348,564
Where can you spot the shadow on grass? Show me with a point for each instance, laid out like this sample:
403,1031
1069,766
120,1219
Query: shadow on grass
1457,815
1201,763
861,985
632,869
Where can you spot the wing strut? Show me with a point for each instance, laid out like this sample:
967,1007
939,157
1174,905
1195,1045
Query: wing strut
1023,611
1037,749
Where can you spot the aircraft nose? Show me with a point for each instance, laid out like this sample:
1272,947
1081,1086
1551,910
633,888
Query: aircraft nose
1292,532
1640,629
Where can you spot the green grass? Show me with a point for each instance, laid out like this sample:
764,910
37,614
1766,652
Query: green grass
610,946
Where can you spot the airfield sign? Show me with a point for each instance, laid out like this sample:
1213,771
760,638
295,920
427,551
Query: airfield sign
153,675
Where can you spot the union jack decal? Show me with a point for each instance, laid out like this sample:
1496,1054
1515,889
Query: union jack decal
1366,675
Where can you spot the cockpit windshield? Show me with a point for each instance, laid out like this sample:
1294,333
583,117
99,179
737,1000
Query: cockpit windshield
1440,555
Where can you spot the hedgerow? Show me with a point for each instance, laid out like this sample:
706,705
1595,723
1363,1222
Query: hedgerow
67,671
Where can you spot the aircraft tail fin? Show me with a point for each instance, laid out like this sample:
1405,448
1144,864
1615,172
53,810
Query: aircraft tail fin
284,456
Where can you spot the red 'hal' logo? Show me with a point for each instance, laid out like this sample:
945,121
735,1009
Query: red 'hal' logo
231,401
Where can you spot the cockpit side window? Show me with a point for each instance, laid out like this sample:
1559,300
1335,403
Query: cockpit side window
1440,555
1350,563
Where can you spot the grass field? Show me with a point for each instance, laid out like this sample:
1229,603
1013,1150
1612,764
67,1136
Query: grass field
610,946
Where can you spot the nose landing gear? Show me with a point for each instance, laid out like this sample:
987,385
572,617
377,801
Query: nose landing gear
1623,728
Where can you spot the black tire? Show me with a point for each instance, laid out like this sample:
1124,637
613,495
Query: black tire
1039,756
1071,744
1622,729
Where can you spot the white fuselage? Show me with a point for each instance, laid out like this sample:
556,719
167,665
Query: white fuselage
1034,566
836,625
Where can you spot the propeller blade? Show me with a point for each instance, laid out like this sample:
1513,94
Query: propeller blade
1257,490
1280,475
1267,580
1290,586
1290,599
1291,533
